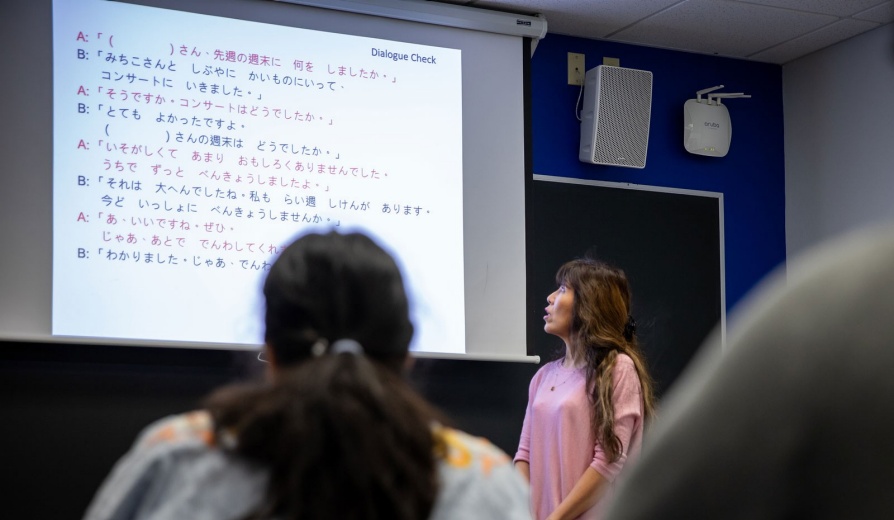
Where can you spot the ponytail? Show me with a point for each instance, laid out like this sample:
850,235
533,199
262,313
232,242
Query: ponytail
341,432
343,435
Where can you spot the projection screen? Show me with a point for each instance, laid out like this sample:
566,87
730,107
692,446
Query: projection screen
164,154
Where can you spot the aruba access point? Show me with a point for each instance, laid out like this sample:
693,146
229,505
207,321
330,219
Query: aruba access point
707,129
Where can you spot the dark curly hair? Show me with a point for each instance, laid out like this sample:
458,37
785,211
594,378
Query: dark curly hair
343,434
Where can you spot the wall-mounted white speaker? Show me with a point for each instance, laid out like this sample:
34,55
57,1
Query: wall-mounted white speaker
614,127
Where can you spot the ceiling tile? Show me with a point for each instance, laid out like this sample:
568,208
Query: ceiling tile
883,13
814,41
722,27
774,31
833,7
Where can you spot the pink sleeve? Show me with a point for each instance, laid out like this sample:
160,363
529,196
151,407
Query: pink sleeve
524,442
628,405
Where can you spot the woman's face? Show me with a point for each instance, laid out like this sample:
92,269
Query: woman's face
559,312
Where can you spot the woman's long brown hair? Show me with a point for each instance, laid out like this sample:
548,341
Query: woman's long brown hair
601,329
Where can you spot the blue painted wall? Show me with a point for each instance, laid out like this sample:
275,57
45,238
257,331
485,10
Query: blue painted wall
751,177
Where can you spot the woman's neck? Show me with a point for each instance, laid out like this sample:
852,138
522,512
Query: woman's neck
572,358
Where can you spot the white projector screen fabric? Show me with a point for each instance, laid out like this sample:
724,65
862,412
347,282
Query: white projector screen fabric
189,147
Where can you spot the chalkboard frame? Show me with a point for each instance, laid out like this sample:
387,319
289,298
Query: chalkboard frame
670,243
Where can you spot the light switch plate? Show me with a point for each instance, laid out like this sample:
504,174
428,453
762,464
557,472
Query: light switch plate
576,68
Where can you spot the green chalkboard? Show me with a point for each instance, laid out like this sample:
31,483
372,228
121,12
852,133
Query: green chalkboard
668,242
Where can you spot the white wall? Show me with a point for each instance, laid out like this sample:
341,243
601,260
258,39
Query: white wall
839,138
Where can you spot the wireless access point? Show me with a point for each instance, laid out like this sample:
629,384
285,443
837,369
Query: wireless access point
707,129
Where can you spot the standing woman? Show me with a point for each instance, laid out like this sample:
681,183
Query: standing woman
586,410
334,432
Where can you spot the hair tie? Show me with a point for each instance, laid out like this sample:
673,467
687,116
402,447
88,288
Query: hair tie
348,346
342,346
319,347
227,439
630,328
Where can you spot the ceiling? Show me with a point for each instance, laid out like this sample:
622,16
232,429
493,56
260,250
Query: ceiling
771,31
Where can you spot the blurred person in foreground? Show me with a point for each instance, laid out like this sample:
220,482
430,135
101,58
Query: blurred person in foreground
795,419
335,432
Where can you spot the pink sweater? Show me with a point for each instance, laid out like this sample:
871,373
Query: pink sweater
556,438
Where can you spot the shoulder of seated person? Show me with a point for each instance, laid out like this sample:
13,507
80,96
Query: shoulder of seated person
195,426
463,449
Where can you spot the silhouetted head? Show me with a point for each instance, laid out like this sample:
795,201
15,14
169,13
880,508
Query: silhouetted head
328,287
338,419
